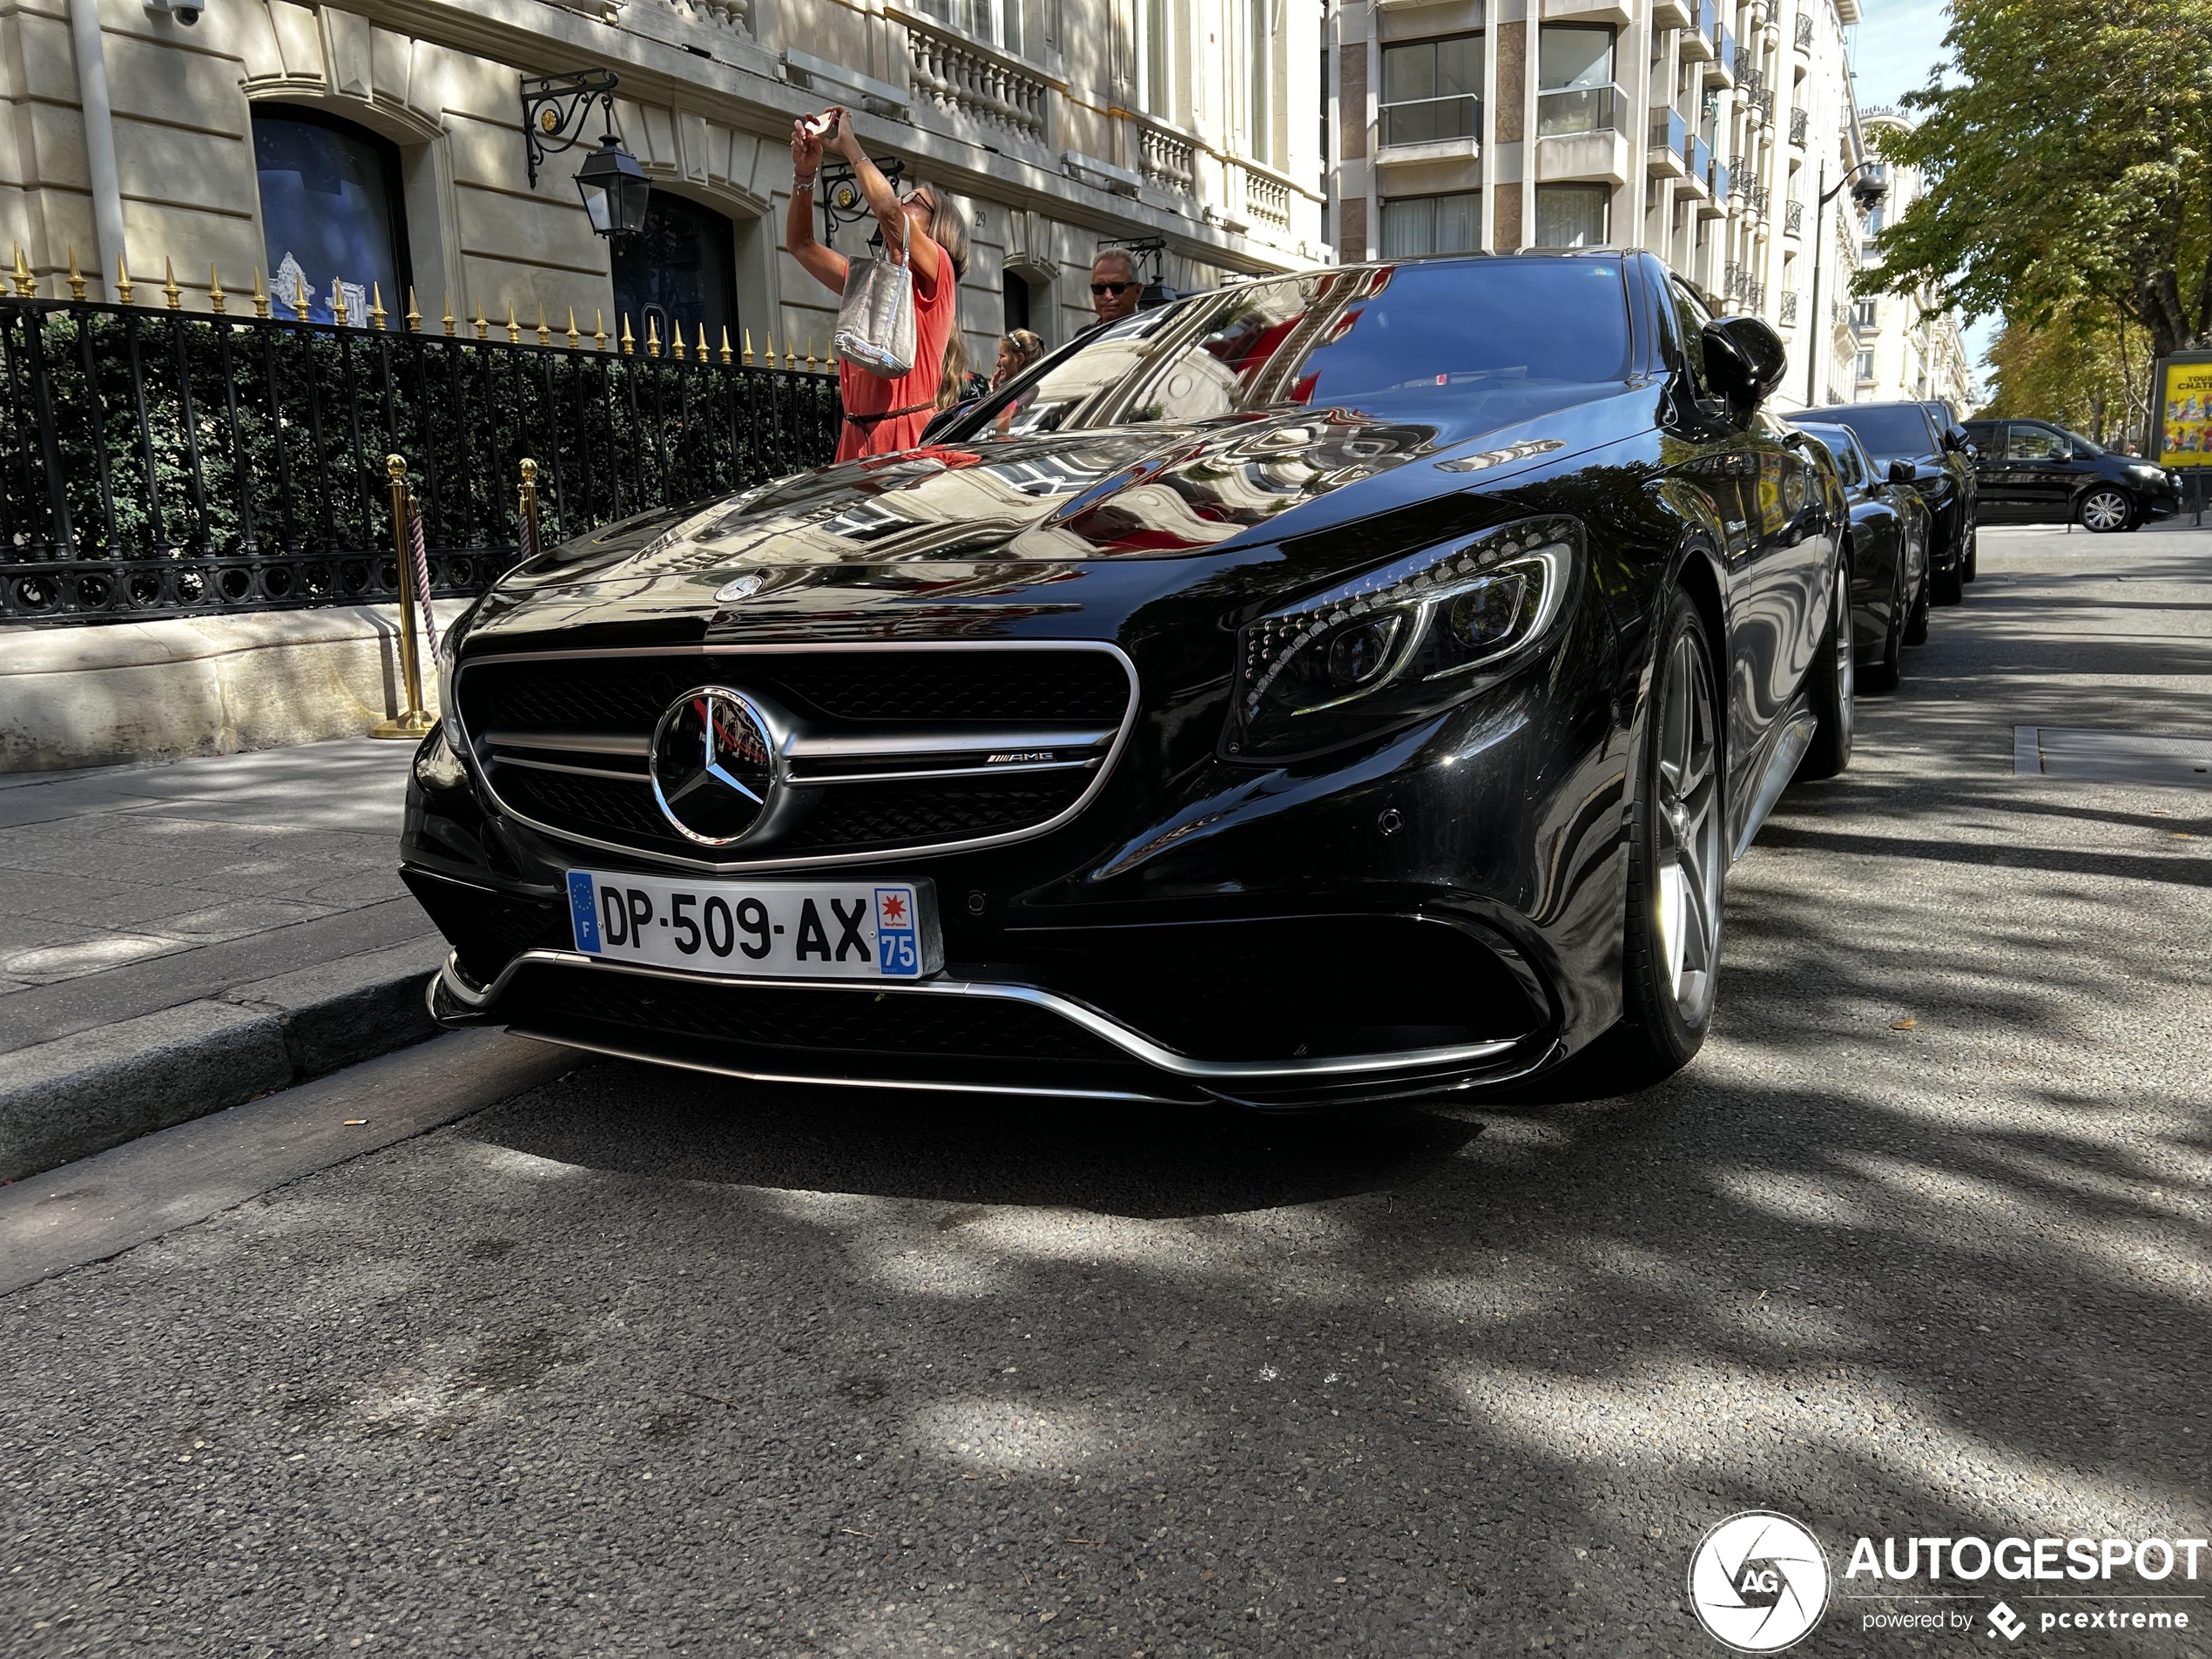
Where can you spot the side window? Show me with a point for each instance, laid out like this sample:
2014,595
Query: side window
2031,443
1846,465
1693,318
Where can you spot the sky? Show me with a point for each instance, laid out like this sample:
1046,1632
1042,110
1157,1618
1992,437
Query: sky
1899,42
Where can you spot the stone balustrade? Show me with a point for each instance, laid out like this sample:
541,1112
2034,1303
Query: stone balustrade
964,78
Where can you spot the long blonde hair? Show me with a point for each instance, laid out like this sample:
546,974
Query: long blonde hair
951,381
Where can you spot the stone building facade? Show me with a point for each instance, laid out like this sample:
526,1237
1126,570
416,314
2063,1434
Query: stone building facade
383,150
1705,130
1906,345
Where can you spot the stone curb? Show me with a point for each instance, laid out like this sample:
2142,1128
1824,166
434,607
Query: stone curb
80,1095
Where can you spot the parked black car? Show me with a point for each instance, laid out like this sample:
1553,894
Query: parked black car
1942,472
2033,472
1887,551
1333,687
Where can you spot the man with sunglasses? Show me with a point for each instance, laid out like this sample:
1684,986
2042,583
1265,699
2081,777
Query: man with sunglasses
1113,287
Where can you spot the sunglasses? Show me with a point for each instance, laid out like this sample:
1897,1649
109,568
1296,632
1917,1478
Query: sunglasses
1115,288
919,195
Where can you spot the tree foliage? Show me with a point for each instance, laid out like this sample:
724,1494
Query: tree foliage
2066,151
2088,369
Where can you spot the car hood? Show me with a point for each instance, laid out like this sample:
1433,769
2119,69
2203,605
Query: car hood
1026,527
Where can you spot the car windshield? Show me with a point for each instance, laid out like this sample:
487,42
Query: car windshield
1496,340
1886,432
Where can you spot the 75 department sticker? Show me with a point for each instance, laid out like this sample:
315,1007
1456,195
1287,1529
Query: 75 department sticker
1758,1582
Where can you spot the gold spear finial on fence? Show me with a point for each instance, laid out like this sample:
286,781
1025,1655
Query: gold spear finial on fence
652,336
300,296
791,357
76,278
484,328
514,328
26,284
810,354
544,334
747,334
122,281
598,331
170,291
448,311
260,294
414,317
676,338
574,337
768,348
629,345
338,311
214,290
725,345
376,311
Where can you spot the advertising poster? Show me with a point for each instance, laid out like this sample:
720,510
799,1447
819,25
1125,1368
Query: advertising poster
2185,413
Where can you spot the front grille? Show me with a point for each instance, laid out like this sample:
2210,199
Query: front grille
564,741
778,1020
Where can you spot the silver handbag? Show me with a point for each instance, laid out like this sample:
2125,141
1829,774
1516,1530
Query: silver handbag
875,320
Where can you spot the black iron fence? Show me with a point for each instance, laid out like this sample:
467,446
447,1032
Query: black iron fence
160,462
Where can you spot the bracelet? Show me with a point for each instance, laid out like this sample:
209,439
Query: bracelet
798,185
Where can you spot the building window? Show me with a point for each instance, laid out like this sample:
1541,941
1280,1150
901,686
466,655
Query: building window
1014,289
1572,215
1862,313
998,22
1263,46
1161,24
1418,225
1432,90
333,222
1866,366
678,272
1574,91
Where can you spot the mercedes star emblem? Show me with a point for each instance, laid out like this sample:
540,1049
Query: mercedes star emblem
743,587
713,764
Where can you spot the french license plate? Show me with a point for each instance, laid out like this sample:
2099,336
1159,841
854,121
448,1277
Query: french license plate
763,929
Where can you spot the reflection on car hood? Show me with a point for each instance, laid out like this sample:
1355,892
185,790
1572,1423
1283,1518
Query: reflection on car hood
1016,513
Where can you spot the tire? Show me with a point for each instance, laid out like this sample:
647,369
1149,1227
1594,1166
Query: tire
1971,567
1677,857
1832,684
1916,623
2105,509
1883,675
1947,587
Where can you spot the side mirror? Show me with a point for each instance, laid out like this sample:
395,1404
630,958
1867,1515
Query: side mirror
1973,452
1746,361
1903,471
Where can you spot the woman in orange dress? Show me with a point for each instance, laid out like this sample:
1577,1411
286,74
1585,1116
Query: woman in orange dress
880,415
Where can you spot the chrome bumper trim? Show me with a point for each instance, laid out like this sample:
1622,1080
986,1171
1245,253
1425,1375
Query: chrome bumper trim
1133,1044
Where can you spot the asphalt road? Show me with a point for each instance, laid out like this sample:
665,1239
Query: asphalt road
637,1362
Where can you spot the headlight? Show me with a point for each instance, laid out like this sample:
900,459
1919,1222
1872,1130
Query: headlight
1402,641
2148,475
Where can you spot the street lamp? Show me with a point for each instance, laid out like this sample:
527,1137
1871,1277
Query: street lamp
614,187
1866,193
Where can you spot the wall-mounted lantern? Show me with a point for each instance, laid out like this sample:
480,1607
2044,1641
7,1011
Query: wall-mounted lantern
614,187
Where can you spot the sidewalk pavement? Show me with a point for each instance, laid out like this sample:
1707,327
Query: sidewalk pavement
175,939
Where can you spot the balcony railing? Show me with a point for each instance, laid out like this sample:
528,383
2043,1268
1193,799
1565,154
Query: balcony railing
1668,132
1166,161
1699,155
1718,180
1570,111
1793,219
1804,36
1799,121
1750,82
1755,199
1431,120
1789,311
1266,199
963,77
162,462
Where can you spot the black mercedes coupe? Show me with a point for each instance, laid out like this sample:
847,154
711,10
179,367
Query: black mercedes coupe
1326,689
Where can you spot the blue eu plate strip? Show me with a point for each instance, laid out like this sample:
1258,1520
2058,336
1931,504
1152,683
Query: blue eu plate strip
585,909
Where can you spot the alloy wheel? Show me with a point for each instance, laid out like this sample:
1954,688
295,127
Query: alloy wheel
1689,829
2105,511
1846,666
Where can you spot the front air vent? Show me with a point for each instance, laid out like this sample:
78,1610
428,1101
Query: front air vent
881,749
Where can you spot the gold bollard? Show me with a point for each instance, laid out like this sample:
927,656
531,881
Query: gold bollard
412,722
526,529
